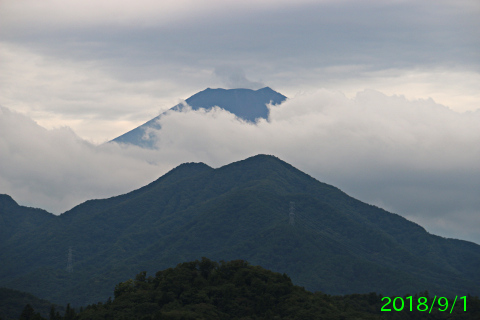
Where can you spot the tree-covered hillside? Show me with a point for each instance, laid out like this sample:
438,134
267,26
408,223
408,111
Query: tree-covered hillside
334,243
12,302
204,289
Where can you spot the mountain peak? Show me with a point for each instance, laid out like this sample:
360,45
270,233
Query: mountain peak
184,171
190,168
260,159
266,162
261,209
277,173
264,89
6,200
246,104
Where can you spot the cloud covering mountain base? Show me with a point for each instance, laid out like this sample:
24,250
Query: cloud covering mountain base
412,157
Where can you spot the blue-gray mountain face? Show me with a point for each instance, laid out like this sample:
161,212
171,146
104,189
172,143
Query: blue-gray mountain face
246,104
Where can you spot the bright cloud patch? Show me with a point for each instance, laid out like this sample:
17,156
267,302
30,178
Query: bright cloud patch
415,158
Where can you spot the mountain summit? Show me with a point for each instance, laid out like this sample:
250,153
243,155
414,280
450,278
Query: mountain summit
246,104
260,209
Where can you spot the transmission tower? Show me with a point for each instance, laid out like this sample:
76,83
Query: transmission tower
292,213
70,260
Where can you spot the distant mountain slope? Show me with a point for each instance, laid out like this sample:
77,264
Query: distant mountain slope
246,104
335,243
12,302
16,220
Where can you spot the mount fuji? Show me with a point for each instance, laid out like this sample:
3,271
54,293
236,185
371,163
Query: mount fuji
246,104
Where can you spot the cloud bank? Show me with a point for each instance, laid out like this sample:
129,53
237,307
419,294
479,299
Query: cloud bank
102,67
55,169
412,157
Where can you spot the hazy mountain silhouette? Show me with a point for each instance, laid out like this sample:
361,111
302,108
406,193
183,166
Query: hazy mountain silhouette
246,104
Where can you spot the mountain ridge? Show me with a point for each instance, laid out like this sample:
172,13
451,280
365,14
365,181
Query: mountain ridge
336,244
13,224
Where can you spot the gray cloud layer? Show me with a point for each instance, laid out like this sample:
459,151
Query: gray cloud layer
234,78
103,67
55,169
416,158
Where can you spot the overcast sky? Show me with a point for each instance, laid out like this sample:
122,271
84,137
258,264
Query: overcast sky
383,102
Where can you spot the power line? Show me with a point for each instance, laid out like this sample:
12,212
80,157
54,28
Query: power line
292,213
70,260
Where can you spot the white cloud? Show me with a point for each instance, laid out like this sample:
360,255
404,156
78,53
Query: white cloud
396,131
55,169
78,94
455,87
99,104
413,157
104,67
417,158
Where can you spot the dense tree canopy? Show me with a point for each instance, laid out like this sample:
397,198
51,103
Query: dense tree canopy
204,289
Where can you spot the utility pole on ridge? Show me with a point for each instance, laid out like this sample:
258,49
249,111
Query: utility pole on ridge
70,260
292,213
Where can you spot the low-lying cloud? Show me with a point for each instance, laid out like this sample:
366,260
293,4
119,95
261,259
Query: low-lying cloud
55,169
412,157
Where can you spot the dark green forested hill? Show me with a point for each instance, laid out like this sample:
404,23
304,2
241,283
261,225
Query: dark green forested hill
334,243
204,289
12,302
16,221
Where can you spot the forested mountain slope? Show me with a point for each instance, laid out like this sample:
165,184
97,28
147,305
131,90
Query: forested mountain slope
334,243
